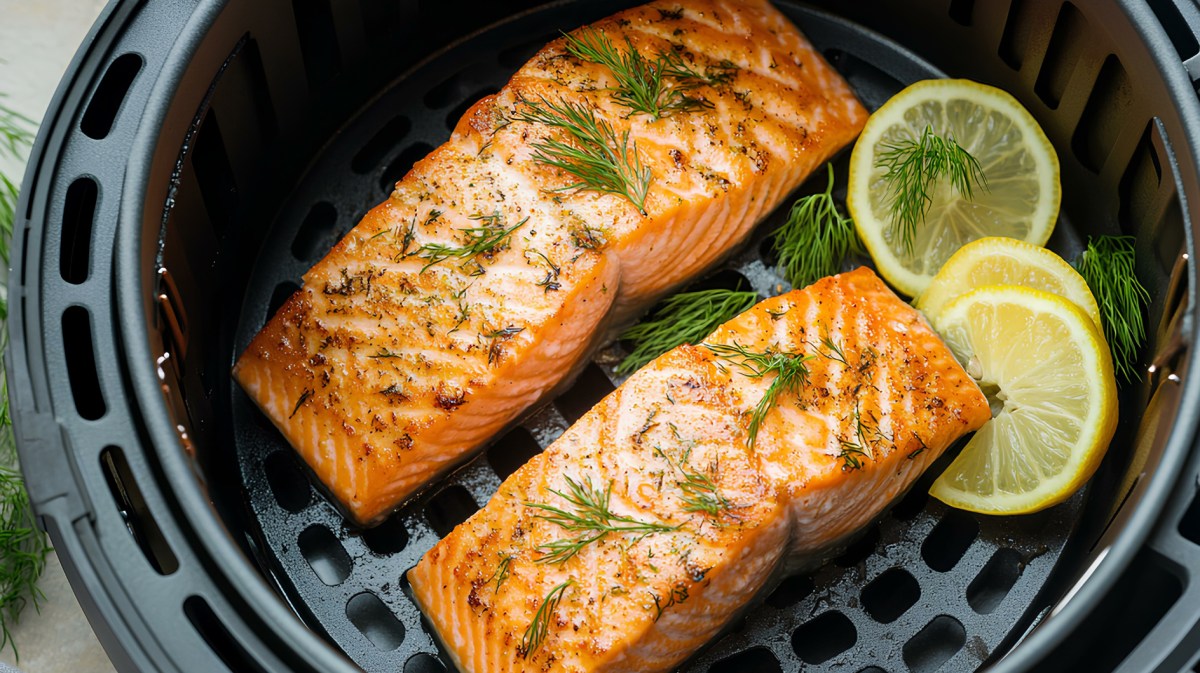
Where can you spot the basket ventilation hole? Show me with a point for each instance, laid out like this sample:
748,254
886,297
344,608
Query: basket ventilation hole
287,480
470,99
1067,43
318,40
1104,116
214,176
137,517
79,212
389,537
454,88
1189,526
753,660
1018,33
1140,183
791,591
512,451
81,363
424,663
934,645
210,628
591,387
912,504
992,584
102,110
315,231
1176,26
516,55
960,11
401,164
325,555
281,293
824,637
890,595
449,508
949,540
380,144
375,621
862,548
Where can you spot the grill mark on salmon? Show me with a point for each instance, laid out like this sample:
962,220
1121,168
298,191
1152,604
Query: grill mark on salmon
389,367
647,602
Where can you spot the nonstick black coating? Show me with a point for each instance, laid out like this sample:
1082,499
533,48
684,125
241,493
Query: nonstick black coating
924,587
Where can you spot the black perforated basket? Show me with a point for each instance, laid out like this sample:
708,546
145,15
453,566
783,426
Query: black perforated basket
201,155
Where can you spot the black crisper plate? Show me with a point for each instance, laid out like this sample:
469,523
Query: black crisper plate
924,587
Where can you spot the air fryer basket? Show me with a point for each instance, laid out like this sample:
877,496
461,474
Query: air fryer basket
199,156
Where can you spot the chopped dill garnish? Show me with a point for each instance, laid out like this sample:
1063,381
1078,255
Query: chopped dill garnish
502,570
497,338
550,282
687,317
790,370
590,519
655,88
384,353
598,159
700,494
851,455
912,167
308,392
1109,267
539,628
464,309
833,350
815,240
480,240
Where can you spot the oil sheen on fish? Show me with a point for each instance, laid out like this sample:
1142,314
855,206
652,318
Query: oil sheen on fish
485,279
698,519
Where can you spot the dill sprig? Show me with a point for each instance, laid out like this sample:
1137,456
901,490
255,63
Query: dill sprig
655,88
912,167
816,238
790,370
502,570
1108,266
480,240
687,317
589,518
539,628
700,494
598,158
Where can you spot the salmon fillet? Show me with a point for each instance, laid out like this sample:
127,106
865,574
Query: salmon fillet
714,519
488,275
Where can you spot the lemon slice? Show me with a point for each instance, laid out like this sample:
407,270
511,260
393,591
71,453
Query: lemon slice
1019,165
1049,376
998,260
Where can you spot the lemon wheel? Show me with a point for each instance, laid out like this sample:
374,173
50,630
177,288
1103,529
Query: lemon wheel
1048,373
1020,199
998,260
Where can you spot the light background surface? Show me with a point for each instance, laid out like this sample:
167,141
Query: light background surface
38,38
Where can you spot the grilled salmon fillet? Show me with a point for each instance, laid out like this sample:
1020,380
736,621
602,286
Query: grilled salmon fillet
489,274
697,519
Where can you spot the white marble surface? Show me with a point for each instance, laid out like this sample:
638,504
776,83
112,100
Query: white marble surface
37,40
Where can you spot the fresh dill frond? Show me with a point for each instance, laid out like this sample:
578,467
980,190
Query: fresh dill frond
687,317
653,87
790,370
539,628
913,167
481,240
598,158
700,494
1109,267
16,132
589,518
851,455
816,238
384,353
